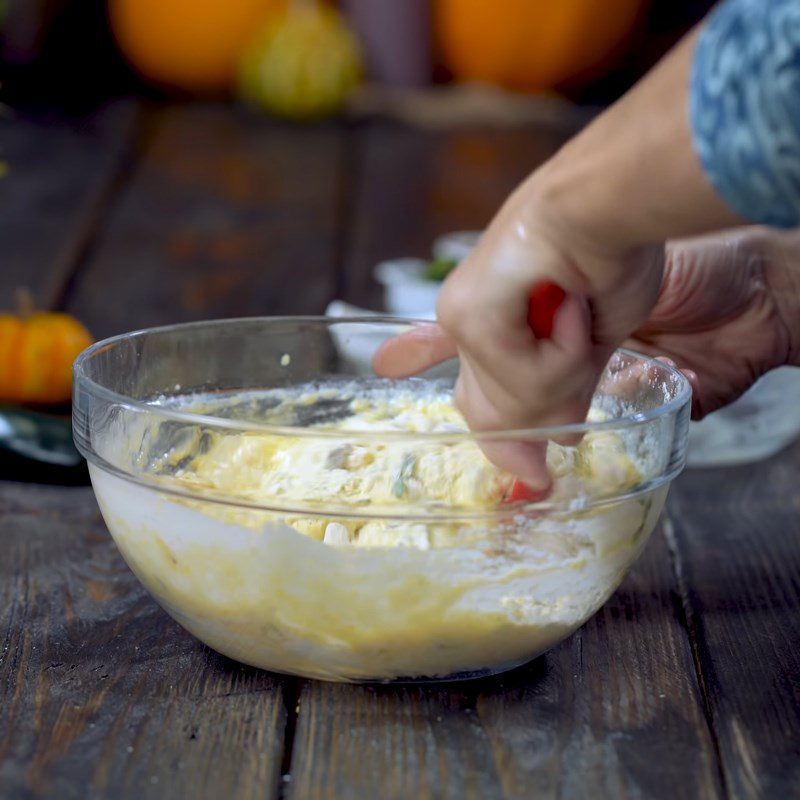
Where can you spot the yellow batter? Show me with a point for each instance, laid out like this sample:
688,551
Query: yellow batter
384,474
322,594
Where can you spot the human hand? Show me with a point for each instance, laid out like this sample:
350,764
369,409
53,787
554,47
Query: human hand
728,311
593,220
508,379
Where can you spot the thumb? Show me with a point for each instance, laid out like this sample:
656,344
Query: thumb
703,284
413,352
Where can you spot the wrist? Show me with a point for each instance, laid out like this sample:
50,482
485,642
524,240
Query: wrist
572,193
577,221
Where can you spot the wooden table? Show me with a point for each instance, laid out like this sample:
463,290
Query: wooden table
686,684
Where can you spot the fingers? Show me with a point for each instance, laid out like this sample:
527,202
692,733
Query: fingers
427,345
656,353
424,347
689,374
694,382
571,326
528,382
509,376
526,460
509,379
499,387
413,352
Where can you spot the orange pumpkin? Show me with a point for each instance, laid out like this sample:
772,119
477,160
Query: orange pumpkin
194,45
531,44
36,354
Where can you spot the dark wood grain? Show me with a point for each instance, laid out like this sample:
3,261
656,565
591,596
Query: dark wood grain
228,215
413,185
736,534
619,713
58,180
101,693
613,712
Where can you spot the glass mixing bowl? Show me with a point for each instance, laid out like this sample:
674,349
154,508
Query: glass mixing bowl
298,514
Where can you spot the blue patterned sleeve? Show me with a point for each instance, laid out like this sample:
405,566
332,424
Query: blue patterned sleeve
744,107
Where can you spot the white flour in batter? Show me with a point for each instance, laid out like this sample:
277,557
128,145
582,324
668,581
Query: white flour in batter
364,596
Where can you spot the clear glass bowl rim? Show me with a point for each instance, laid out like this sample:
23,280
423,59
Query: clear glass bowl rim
93,388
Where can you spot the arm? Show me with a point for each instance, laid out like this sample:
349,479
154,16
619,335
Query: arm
632,177
709,138
594,220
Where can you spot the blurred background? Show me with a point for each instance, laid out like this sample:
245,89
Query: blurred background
75,54
164,161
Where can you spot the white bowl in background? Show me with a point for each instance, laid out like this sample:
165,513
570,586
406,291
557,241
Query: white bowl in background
407,292
457,245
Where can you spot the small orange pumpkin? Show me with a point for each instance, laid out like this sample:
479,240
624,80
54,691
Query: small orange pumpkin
193,45
531,44
37,349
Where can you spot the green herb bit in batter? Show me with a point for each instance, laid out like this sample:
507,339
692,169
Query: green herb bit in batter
438,269
400,485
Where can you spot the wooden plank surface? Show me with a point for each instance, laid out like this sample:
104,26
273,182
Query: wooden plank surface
684,685
613,712
102,695
736,533
619,713
58,176
228,215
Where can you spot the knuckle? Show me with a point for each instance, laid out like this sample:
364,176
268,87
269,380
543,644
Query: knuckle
454,305
461,400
